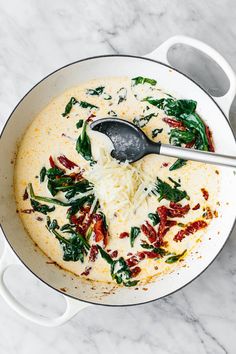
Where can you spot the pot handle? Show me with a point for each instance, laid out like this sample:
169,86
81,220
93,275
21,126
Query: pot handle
161,54
72,306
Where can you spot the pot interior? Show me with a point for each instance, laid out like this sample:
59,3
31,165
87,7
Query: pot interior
179,86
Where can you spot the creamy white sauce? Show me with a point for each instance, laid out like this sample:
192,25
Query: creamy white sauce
52,134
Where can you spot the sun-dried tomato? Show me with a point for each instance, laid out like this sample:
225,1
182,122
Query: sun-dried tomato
51,161
209,139
177,210
190,229
93,253
149,231
124,235
141,255
171,223
66,162
101,233
205,193
132,261
83,221
77,176
196,207
27,211
151,254
25,195
74,219
174,123
90,117
165,164
135,271
162,212
86,271
208,213
113,254
190,145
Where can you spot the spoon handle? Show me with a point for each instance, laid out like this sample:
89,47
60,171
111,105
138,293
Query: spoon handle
196,155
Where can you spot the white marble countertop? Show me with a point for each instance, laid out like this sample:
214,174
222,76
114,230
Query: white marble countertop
38,36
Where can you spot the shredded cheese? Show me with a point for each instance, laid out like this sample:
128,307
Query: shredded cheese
120,187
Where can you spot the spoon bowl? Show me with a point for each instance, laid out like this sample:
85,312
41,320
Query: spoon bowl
131,144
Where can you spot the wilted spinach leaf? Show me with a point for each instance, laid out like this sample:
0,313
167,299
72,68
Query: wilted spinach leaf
142,80
134,232
75,247
83,145
165,191
177,137
84,104
79,124
158,250
155,218
69,106
177,164
41,208
156,131
112,113
42,174
122,95
119,269
175,258
143,120
95,92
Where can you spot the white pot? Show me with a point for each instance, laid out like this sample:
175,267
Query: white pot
214,110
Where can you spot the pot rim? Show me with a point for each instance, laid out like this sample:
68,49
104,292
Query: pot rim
124,56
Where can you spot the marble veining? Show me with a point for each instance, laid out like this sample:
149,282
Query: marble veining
38,36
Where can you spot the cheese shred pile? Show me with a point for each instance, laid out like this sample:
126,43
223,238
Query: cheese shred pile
120,187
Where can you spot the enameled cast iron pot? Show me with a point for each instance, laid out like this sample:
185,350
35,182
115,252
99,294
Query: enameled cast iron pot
214,111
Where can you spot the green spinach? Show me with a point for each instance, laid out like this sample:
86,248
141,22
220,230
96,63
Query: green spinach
158,250
176,184
155,218
143,120
122,95
173,107
42,174
83,145
95,92
79,124
193,121
177,164
69,106
175,258
184,110
134,232
41,208
85,104
74,205
107,97
52,225
54,172
112,113
130,283
142,80
156,131
120,271
74,248
177,137
165,191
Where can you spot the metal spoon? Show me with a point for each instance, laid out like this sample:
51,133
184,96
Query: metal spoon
130,143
